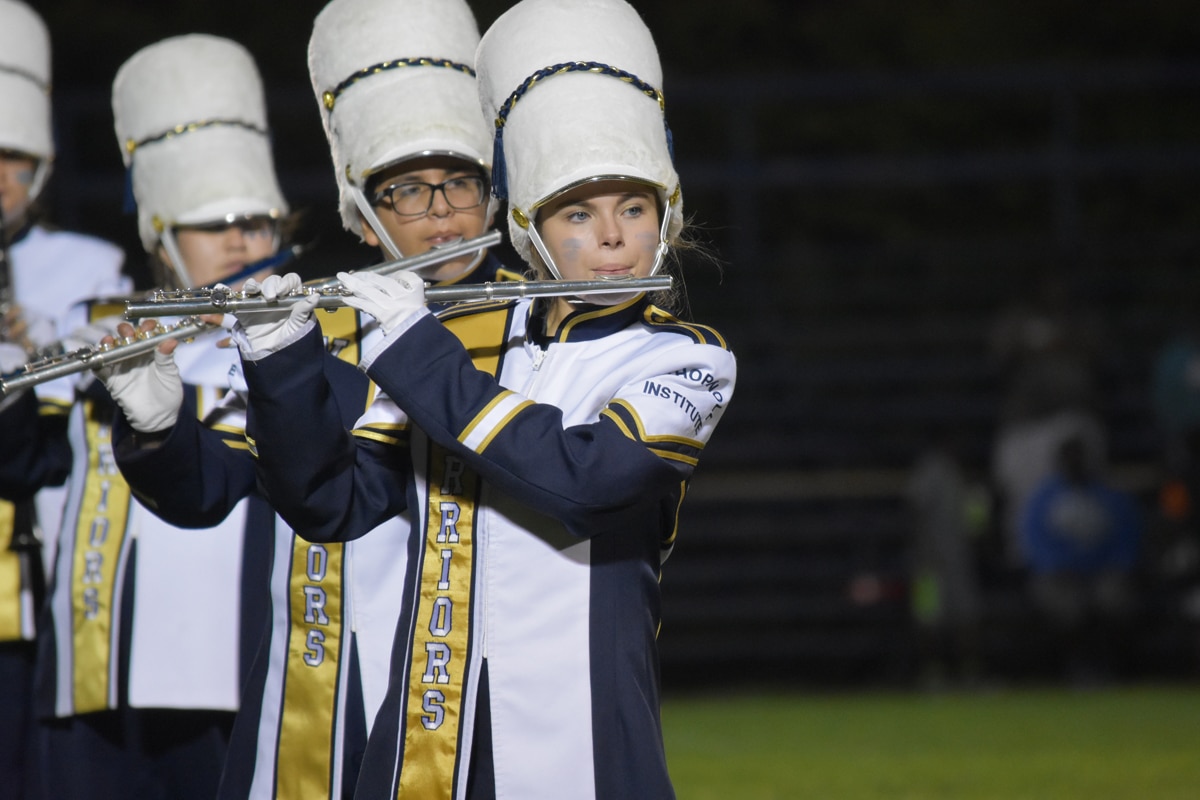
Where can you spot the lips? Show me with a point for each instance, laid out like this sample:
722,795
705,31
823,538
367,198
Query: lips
443,238
612,271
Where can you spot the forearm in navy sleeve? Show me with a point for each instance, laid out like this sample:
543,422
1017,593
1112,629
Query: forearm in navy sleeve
582,475
326,484
192,478
34,449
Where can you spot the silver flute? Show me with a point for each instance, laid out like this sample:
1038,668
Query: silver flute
172,302
99,355
335,296
95,357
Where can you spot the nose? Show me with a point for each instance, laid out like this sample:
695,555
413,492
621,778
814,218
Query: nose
439,206
235,238
609,231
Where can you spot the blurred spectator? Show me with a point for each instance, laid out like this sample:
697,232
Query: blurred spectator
1025,453
949,511
1172,548
1175,394
1082,540
1048,348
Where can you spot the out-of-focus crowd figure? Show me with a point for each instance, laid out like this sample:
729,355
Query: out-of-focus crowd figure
1085,557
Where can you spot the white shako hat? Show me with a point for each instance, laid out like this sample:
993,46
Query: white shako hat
191,121
575,91
395,81
25,116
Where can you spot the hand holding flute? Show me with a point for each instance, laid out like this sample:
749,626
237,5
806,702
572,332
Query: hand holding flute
390,299
147,387
269,330
94,347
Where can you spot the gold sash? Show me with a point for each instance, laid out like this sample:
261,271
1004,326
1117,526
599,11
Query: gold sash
317,645
11,590
315,649
99,537
439,650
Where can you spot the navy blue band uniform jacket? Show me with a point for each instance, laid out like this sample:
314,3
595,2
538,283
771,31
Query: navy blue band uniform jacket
132,618
543,478
321,672
52,271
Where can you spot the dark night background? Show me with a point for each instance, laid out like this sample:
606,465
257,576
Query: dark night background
878,180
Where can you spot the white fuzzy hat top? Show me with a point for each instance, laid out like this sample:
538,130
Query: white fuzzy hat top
24,81
574,87
394,79
191,122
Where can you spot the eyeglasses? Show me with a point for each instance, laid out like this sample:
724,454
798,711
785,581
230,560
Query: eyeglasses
7,154
415,198
253,225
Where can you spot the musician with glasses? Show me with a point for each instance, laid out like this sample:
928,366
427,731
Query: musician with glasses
411,154
540,447
43,271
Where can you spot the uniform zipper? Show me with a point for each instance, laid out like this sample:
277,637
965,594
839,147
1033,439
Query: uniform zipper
539,355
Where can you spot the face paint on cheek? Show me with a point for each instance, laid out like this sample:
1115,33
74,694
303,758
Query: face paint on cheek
571,249
647,242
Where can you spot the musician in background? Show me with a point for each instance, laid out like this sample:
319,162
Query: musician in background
541,448
411,155
151,628
43,271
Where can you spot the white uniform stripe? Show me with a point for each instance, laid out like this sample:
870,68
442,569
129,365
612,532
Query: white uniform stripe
494,416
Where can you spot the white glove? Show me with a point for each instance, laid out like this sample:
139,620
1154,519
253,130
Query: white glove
39,329
29,328
268,331
390,299
12,357
148,389
89,336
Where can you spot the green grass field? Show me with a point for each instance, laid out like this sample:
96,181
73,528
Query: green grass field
1103,744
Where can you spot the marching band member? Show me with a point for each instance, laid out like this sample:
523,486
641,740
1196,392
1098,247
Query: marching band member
154,627
541,448
323,669
43,271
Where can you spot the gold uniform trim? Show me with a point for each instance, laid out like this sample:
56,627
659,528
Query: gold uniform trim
99,537
442,631
315,649
439,649
640,435
10,578
318,633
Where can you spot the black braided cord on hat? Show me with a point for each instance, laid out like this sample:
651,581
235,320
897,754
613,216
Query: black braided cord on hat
330,96
132,145
499,172
29,76
189,127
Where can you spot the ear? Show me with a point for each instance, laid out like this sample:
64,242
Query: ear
368,233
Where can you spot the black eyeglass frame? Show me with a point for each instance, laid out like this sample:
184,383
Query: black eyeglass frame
383,197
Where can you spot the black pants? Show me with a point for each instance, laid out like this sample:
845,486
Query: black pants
150,754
